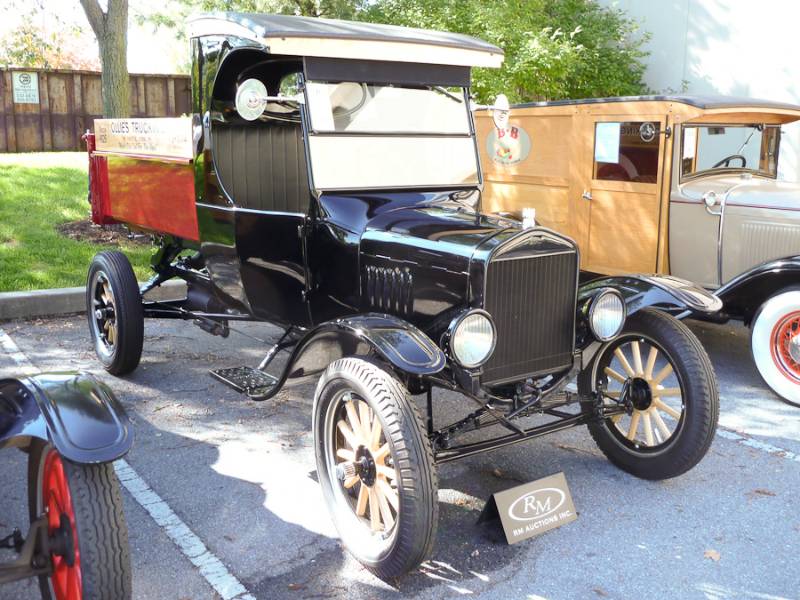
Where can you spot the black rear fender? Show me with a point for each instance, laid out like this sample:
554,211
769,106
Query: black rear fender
79,415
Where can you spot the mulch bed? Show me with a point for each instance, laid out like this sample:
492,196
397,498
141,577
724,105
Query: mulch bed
106,235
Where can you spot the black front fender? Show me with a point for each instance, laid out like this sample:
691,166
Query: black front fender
79,415
664,292
396,341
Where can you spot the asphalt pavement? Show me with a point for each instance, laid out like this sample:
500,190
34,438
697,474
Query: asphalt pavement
240,477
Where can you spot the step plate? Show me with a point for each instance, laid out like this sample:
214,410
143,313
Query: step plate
246,380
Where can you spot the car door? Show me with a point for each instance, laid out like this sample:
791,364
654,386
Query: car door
618,192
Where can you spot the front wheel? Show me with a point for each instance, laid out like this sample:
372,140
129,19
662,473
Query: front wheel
662,375
775,343
86,530
375,465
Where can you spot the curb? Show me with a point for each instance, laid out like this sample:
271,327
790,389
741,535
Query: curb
67,301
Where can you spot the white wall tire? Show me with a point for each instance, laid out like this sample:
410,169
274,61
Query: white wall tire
775,326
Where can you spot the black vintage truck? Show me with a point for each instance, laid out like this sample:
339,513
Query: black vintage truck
328,182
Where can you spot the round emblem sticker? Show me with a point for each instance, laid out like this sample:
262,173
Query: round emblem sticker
508,145
647,131
24,78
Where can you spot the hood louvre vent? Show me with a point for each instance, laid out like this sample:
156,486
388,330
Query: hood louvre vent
389,289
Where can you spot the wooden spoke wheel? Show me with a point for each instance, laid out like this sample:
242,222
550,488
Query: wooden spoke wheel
375,466
114,311
365,465
87,537
660,373
104,324
647,378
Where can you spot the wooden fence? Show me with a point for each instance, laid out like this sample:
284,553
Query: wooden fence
50,109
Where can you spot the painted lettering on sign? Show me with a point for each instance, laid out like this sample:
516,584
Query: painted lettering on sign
167,136
26,87
536,504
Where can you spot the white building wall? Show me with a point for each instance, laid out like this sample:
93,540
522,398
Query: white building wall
730,47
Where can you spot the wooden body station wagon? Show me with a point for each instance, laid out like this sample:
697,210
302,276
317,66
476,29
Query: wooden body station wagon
684,186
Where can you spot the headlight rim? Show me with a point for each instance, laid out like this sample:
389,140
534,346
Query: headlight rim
453,328
593,305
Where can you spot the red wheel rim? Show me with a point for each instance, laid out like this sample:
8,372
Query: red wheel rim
56,499
782,334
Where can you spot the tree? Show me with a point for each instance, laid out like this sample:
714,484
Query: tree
111,29
331,9
553,48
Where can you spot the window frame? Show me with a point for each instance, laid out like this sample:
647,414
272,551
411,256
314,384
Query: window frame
659,151
726,170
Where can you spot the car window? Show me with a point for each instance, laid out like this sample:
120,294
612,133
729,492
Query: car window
627,151
710,147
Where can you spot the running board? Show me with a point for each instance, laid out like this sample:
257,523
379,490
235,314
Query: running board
246,380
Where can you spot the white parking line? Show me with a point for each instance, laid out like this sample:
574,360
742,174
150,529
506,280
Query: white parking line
757,444
191,546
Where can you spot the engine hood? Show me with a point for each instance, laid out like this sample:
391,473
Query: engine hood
744,190
415,260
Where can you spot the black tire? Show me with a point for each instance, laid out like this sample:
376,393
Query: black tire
699,400
406,543
121,353
102,534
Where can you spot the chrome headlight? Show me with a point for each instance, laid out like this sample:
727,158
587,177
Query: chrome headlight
472,338
607,315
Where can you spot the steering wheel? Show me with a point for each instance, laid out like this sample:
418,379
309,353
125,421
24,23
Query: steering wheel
727,161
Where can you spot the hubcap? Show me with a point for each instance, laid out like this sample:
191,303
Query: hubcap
63,539
364,465
786,345
649,388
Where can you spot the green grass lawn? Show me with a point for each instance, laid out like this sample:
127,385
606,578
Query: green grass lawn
38,192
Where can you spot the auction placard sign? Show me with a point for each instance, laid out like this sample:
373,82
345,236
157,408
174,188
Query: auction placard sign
532,508
169,137
26,87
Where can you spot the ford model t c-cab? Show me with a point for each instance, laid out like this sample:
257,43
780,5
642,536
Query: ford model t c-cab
328,181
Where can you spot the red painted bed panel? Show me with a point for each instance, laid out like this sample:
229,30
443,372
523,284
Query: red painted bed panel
157,195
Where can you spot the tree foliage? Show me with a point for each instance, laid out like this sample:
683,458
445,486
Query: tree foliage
30,45
553,48
331,9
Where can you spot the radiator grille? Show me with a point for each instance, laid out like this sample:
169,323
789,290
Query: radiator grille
532,301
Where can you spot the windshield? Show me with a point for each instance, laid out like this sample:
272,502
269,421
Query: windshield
386,136
711,148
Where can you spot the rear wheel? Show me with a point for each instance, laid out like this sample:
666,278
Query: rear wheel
86,528
660,372
375,465
775,343
114,310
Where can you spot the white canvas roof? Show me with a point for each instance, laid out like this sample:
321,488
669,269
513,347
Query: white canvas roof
306,36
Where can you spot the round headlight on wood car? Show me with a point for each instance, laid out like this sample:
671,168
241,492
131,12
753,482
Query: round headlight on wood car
607,315
472,338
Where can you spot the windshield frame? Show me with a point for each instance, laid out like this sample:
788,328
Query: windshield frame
725,170
310,132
